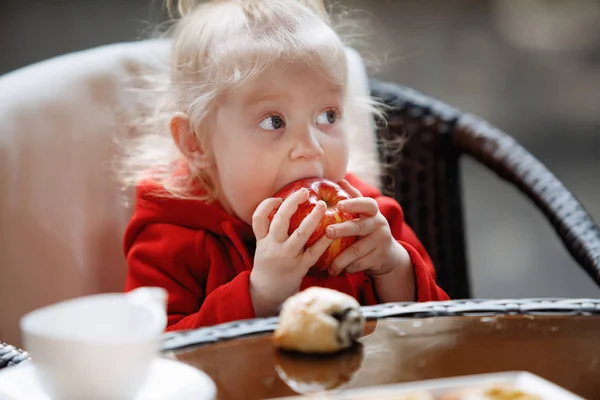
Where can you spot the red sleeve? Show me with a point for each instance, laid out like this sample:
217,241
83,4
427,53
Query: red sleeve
174,257
427,289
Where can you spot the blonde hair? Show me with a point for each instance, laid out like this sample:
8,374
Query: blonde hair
219,45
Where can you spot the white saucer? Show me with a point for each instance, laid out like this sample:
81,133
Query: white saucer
167,380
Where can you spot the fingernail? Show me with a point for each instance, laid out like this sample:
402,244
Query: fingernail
341,205
330,232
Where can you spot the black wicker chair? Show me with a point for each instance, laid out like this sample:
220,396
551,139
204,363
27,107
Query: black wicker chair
427,183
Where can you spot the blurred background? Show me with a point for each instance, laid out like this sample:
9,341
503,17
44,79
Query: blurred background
531,67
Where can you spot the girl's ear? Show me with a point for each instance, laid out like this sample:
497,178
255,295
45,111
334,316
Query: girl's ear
188,143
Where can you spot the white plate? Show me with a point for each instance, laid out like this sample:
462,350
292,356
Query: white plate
525,381
167,380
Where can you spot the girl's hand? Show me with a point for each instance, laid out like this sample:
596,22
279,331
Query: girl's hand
280,261
376,252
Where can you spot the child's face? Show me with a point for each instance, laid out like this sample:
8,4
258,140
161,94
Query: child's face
284,126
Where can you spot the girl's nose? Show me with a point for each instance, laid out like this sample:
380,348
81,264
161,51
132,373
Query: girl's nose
306,145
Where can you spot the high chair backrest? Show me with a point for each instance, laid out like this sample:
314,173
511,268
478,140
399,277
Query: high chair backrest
62,213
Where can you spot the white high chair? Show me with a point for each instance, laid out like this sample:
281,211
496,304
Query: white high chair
62,215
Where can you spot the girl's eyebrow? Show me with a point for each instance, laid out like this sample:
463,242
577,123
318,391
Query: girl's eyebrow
265,97
260,97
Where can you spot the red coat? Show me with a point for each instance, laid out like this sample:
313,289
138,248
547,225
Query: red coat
203,257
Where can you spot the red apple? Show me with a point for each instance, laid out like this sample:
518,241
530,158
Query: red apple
331,193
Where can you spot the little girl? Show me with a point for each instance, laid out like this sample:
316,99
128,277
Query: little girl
258,100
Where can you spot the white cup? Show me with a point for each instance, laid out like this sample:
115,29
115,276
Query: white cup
96,347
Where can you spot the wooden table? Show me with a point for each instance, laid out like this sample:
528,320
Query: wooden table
564,349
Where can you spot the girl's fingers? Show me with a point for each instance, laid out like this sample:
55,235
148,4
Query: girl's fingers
260,218
355,227
362,205
281,221
356,251
352,191
363,263
313,253
300,236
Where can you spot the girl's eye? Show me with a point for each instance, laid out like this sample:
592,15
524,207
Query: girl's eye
327,118
272,123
